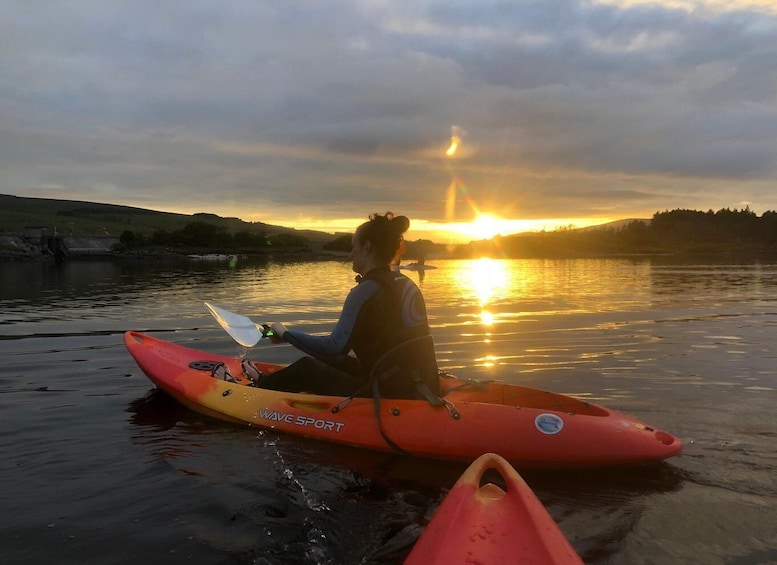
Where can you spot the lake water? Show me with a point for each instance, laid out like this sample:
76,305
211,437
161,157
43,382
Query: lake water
97,467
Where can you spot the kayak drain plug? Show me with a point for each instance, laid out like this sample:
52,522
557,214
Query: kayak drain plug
394,411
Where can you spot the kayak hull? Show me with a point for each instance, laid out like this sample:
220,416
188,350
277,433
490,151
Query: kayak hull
529,427
482,523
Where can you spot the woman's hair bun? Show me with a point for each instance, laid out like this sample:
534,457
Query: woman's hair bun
384,231
400,224
397,224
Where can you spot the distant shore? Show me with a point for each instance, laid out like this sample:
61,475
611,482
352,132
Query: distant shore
35,228
18,247
7,254
308,254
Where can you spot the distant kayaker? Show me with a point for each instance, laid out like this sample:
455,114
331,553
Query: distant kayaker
383,310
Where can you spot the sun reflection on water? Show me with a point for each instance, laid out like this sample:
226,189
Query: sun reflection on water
484,280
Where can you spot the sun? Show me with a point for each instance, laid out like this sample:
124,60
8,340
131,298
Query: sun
485,226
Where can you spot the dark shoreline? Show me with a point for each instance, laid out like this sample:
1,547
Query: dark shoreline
309,255
6,255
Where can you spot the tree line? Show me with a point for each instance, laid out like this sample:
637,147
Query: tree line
675,231
203,237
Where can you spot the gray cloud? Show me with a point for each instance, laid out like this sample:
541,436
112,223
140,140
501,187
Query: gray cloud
338,108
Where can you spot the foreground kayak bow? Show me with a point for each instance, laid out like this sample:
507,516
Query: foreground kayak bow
481,523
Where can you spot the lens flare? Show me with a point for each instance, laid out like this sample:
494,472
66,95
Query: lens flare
456,185
455,141
450,200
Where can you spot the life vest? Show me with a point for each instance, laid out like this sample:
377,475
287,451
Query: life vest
395,312
409,370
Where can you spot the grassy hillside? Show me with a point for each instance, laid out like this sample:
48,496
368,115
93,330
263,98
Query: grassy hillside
71,217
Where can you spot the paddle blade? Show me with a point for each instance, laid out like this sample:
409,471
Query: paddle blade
240,328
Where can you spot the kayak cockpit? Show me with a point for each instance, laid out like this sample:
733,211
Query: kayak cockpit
494,392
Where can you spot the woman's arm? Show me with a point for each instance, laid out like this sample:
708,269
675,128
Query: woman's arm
338,343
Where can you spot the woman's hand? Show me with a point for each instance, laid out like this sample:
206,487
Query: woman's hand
276,332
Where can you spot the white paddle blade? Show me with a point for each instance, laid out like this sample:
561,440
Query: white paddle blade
240,328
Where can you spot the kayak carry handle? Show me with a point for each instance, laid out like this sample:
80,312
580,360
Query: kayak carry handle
478,475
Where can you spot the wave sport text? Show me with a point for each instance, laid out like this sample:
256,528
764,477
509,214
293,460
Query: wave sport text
286,418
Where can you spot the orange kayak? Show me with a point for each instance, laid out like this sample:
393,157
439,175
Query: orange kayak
481,523
527,426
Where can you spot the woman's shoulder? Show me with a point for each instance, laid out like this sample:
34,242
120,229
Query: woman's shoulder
363,290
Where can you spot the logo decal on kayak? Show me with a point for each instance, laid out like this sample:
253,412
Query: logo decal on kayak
549,423
299,420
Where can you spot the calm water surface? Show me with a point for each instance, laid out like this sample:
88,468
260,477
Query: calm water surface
97,467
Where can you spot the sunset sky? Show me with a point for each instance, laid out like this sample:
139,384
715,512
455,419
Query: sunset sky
316,113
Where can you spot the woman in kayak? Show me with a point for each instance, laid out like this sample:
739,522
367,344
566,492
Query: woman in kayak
383,310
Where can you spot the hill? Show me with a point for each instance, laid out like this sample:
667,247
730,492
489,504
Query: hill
27,224
614,225
77,218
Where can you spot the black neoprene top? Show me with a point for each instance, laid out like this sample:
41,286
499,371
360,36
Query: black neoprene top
383,310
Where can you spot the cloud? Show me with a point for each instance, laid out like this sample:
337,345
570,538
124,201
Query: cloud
341,108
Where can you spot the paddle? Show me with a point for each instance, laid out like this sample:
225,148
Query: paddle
240,328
